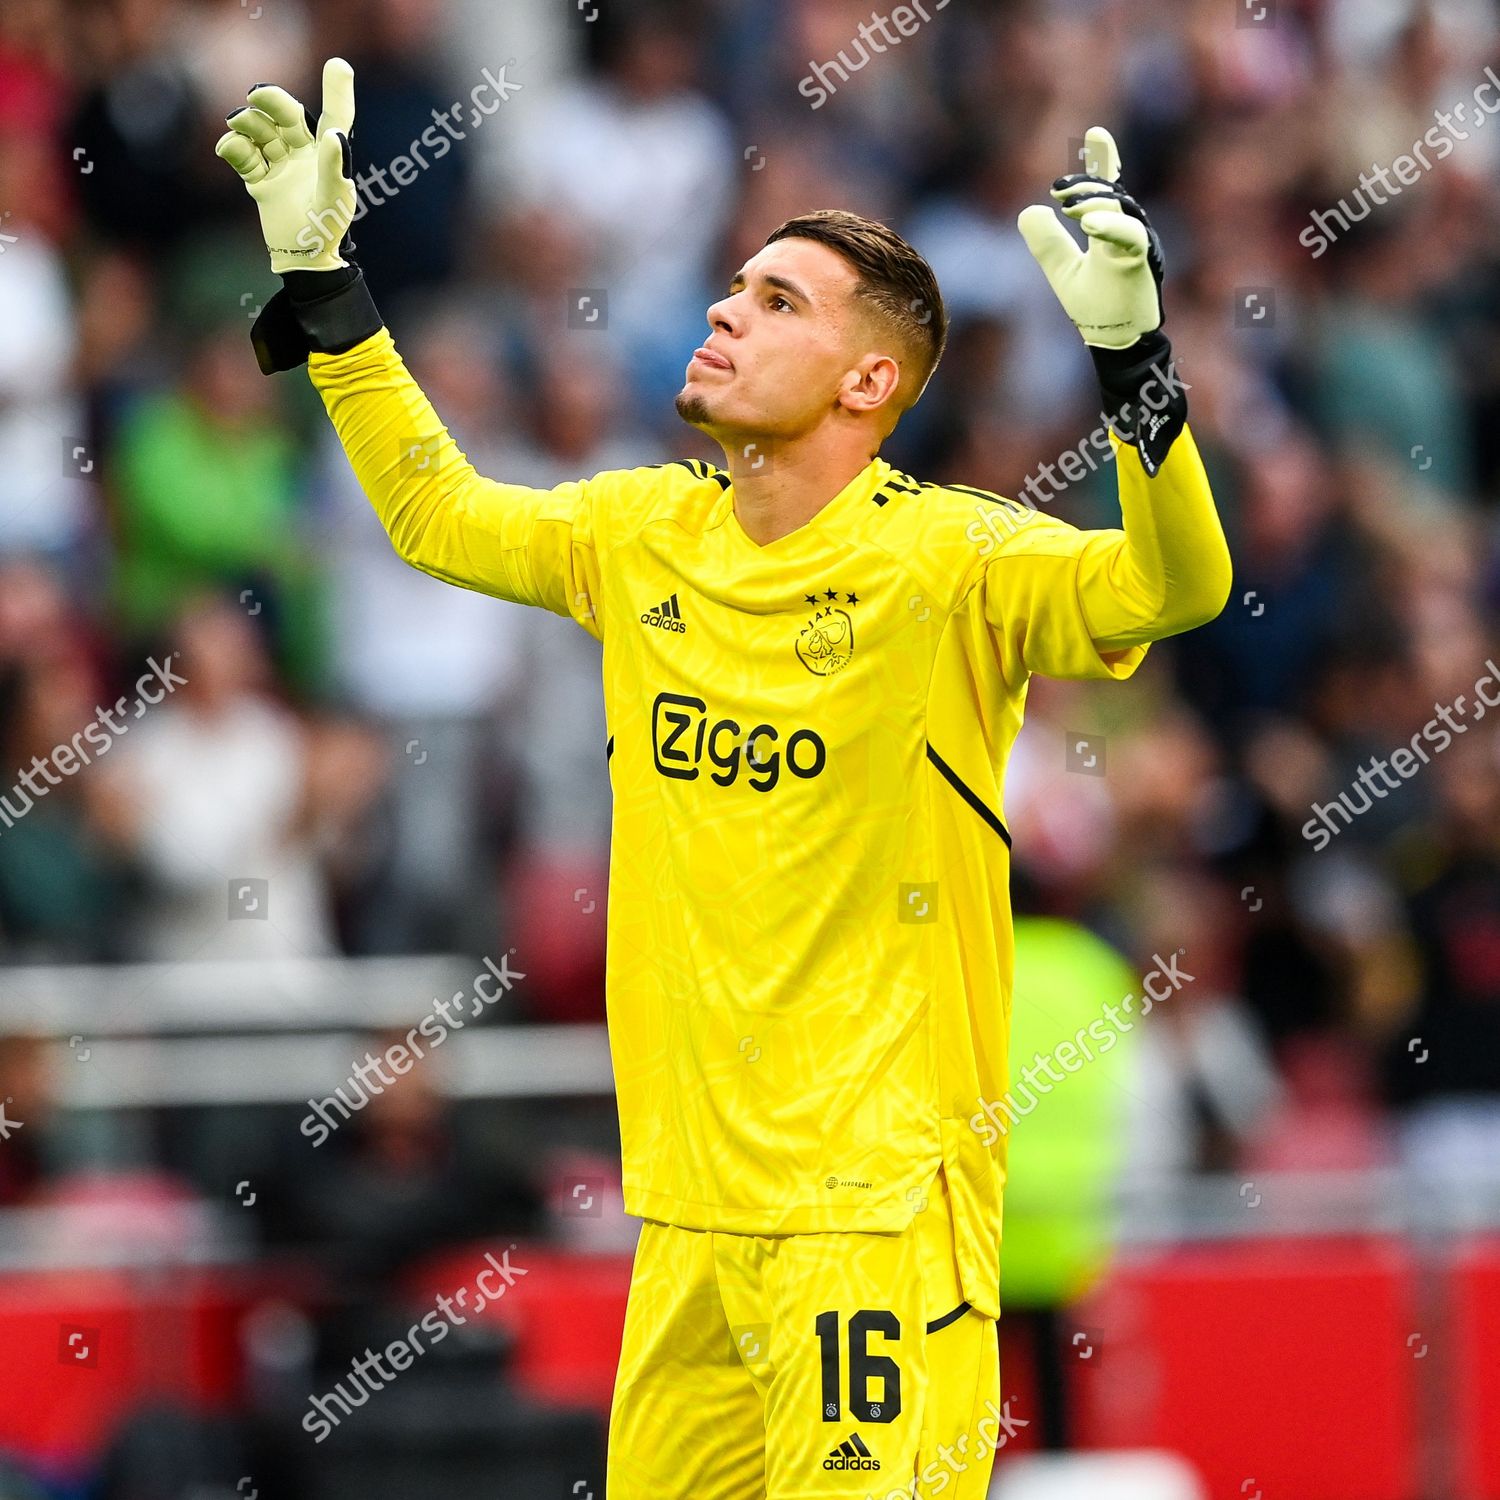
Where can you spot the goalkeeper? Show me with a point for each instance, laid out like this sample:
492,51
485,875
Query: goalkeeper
815,667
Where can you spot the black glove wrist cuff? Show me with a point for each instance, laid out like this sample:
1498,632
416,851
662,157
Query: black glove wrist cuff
310,286
315,312
1144,402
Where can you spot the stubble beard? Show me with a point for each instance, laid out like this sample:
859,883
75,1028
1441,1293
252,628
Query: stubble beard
692,407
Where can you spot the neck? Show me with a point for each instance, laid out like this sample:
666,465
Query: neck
780,485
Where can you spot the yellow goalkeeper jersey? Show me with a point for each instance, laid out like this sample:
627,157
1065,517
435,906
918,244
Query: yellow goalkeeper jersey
809,940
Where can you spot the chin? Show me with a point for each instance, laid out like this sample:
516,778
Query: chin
692,407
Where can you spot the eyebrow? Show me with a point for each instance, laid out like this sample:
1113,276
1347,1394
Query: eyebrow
771,279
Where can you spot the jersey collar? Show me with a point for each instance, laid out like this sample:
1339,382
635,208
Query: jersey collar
858,494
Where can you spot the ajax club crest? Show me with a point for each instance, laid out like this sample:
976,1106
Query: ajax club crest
826,643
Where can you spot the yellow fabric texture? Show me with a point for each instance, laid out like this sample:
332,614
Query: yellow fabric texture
809,942
819,1365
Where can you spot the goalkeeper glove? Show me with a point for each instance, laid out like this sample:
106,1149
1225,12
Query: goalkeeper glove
1112,293
300,176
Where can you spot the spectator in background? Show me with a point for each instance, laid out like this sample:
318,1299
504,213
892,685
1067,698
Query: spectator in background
396,1179
36,90
60,883
646,166
970,239
409,236
1304,575
140,125
1205,1083
236,807
215,44
1065,1142
206,486
120,359
45,500
878,114
1442,1061
1387,377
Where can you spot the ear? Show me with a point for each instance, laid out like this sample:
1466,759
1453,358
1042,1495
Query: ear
871,384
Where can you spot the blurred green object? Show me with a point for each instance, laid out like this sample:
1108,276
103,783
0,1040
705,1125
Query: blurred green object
1066,1145
208,499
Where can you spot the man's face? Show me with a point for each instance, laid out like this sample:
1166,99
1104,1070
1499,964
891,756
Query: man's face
783,343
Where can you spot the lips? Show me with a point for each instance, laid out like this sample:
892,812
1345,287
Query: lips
712,358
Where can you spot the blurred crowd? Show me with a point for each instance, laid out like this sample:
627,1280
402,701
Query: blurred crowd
412,768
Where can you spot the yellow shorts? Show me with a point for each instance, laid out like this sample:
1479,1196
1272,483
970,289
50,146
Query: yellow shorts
802,1367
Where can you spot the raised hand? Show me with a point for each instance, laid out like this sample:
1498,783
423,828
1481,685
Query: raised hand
300,174
1112,290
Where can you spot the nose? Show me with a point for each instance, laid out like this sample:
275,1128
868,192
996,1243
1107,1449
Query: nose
723,316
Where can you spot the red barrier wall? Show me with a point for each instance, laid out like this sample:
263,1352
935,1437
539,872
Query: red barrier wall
1283,1370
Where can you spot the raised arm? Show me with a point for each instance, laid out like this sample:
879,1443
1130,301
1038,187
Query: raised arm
1072,603
1168,570
531,546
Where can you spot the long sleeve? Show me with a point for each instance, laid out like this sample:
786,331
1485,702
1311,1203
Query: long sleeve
1170,570
1071,603
527,545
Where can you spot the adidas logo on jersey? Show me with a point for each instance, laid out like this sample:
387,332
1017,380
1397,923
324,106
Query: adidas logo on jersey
665,616
851,1454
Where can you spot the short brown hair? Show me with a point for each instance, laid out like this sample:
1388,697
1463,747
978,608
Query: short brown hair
893,279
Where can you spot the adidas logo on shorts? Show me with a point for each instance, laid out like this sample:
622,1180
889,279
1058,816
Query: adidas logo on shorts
851,1454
